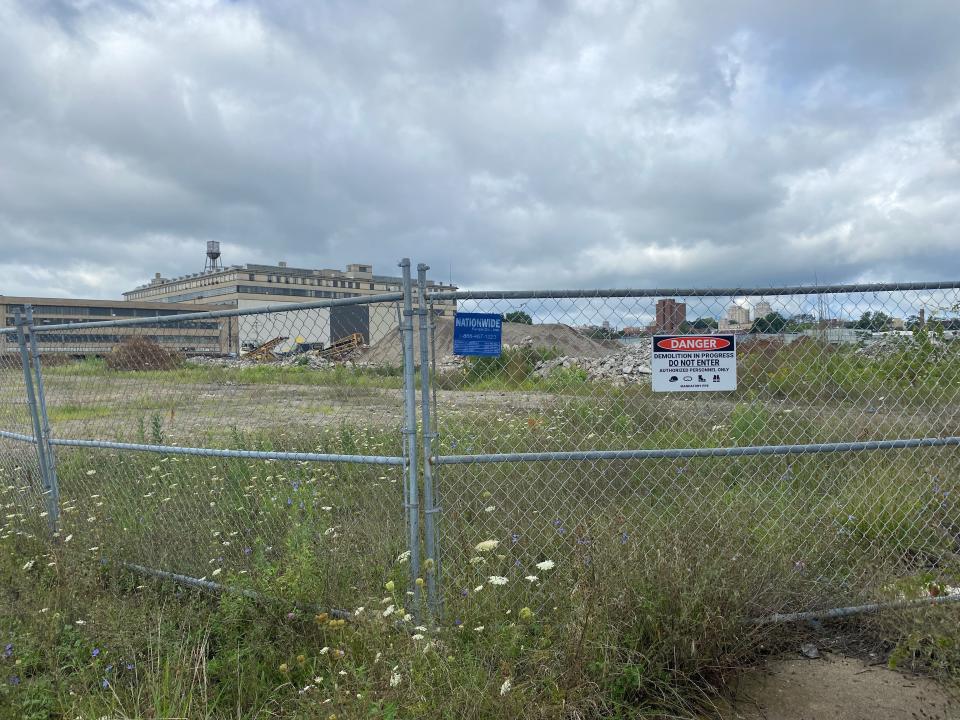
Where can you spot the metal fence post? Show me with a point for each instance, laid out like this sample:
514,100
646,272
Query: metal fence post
53,484
48,479
427,434
410,426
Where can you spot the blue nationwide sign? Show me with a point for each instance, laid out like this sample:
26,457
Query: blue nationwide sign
477,334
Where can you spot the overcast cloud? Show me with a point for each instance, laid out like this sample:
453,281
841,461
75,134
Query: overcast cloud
521,144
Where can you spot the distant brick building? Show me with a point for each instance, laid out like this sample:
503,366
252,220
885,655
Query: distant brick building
670,316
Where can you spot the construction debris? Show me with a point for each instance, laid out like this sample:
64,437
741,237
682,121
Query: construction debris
629,366
264,352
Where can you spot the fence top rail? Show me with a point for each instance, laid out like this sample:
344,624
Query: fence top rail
690,292
229,312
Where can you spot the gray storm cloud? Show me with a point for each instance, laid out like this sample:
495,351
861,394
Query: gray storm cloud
516,143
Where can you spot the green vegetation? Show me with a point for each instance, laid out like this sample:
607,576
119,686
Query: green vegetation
518,316
266,374
592,589
645,572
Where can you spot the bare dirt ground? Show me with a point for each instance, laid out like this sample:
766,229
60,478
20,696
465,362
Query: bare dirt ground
834,686
111,407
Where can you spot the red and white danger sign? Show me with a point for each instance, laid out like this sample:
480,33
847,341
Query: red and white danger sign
694,363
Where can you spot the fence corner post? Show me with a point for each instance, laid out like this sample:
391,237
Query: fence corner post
33,382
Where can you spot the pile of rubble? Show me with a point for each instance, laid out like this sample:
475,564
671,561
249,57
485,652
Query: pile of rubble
313,360
230,362
631,365
880,348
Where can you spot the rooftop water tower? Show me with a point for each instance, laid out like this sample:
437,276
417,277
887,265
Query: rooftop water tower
213,257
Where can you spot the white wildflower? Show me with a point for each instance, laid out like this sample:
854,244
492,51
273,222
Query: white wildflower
403,557
497,580
546,565
486,545
389,611
490,508
395,679
418,636
29,564
505,688
531,578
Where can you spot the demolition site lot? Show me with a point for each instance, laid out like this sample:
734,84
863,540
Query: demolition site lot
655,565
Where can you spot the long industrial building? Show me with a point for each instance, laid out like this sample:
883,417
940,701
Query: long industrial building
251,285
209,336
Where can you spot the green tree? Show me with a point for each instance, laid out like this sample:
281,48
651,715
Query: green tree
518,316
772,323
704,323
873,321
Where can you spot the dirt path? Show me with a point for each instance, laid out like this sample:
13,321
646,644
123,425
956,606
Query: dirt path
837,687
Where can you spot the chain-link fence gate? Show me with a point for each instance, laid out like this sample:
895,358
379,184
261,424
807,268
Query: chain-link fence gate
253,449
829,477
278,450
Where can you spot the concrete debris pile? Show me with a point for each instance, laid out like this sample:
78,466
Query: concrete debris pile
881,348
313,360
628,366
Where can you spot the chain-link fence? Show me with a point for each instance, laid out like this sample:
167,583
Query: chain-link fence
827,477
249,448
278,449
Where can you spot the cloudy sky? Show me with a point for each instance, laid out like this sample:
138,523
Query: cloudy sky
516,144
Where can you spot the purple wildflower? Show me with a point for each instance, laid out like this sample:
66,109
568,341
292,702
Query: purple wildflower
95,652
105,684
14,680
8,650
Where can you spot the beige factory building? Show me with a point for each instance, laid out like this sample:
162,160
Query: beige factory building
215,336
252,285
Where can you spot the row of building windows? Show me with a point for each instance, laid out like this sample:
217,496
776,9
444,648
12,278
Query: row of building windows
79,340
103,313
252,277
185,324
296,292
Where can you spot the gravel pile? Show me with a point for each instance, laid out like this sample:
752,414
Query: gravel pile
565,339
624,367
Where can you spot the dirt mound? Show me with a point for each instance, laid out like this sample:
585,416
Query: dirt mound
567,340
140,353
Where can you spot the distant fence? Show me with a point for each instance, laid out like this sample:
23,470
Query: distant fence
328,451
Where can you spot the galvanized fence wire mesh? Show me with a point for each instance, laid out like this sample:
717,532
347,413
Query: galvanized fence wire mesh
828,477
278,450
254,449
